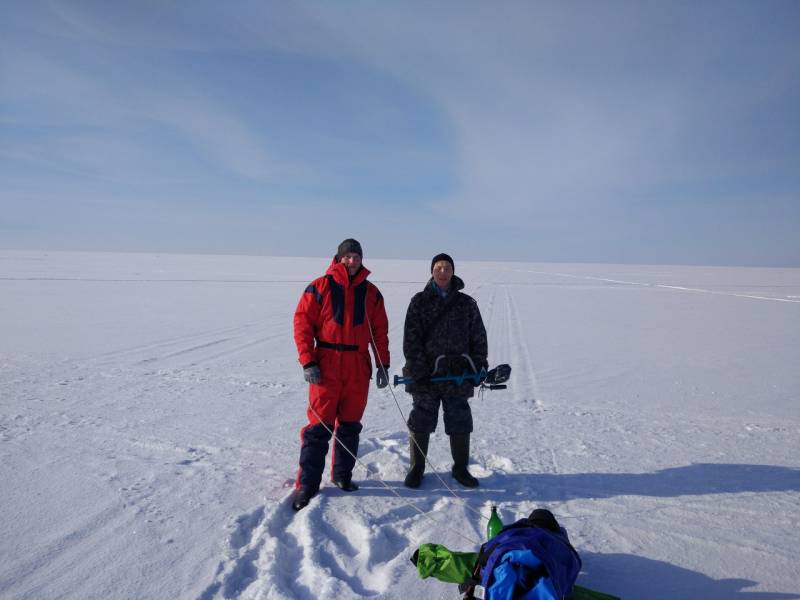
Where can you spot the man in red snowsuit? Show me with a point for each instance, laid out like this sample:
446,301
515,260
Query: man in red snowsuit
338,317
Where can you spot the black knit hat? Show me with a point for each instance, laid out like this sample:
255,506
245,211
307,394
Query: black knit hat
443,256
349,245
541,517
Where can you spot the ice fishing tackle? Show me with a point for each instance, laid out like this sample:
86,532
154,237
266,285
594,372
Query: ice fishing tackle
493,379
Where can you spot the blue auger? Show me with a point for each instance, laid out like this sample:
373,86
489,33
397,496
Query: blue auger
476,378
492,380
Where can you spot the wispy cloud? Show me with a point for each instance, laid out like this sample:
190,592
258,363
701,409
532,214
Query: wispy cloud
222,136
584,104
591,129
81,116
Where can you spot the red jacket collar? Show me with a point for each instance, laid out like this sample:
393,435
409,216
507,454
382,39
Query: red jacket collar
341,275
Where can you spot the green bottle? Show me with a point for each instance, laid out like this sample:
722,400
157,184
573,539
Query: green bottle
495,525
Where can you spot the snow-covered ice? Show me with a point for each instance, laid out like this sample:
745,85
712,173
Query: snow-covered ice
150,407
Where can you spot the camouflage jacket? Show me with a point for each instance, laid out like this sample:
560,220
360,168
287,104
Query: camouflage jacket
430,333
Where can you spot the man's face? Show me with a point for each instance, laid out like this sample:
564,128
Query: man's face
442,273
352,261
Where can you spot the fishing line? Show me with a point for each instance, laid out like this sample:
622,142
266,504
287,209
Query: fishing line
408,503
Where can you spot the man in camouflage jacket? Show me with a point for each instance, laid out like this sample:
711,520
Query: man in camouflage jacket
442,321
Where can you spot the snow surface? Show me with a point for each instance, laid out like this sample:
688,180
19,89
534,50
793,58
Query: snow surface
150,407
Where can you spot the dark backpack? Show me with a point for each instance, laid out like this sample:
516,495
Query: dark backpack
530,559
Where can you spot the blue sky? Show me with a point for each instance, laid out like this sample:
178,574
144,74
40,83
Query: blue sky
635,132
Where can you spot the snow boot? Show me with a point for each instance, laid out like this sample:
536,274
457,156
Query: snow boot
417,451
459,447
302,496
345,484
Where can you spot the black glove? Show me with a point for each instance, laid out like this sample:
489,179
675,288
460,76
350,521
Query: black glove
311,373
382,377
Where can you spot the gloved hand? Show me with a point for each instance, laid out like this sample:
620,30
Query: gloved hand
311,373
382,377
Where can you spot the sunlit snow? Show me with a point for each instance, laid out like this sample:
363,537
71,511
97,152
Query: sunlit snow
150,408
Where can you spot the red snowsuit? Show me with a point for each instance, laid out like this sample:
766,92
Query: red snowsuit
332,325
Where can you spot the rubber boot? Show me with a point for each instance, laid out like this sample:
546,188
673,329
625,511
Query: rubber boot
417,451
346,484
302,496
459,447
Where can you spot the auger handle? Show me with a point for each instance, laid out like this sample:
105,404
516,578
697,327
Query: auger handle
402,380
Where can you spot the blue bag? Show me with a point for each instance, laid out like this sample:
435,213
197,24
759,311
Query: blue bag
529,560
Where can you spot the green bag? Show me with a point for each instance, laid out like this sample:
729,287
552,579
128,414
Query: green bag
434,560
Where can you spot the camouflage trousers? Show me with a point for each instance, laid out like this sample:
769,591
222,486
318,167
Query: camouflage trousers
425,414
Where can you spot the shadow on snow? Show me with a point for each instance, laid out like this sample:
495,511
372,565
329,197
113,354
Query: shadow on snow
653,579
643,577
692,480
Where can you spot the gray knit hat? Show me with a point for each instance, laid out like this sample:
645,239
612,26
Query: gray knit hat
349,245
